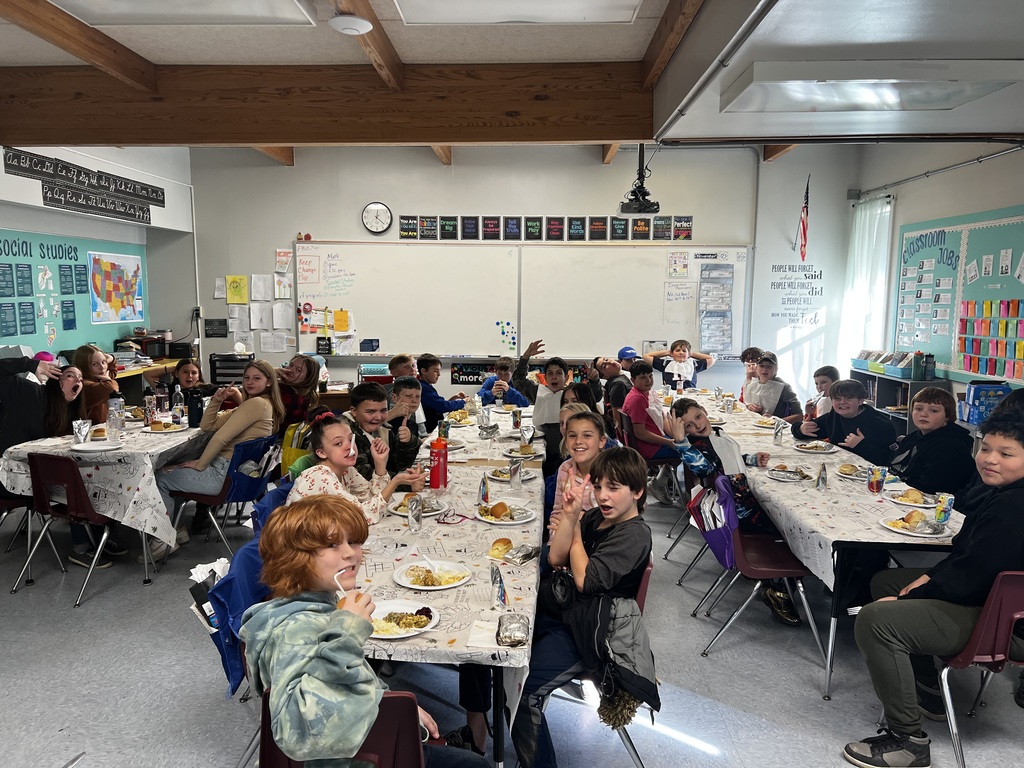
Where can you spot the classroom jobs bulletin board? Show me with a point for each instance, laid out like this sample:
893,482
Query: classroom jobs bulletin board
961,293
61,292
467,299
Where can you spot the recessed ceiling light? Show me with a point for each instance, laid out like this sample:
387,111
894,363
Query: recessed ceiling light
350,24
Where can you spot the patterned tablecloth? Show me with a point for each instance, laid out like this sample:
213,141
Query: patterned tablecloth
121,483
485,449
813,521
467,543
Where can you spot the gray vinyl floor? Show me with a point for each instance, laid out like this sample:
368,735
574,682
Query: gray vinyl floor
131,678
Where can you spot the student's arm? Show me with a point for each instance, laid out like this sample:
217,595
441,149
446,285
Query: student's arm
519,375
650,357
636,409
515,397
812,429
644,435
709,360
235,423
561,540
12,366
486,392
434,402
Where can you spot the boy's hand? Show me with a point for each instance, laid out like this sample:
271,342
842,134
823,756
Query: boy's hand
399,410
852,439
755,408
674,427
379,450
500,387
809,428
535,348
359,603
762,458
458,396
404,433
428,722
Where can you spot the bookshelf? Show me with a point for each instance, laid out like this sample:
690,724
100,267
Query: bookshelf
888,391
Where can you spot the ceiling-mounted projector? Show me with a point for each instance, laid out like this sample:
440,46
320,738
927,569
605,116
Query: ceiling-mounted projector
637,199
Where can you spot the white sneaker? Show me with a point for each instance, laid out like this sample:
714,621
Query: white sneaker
659,491
157,549
181,536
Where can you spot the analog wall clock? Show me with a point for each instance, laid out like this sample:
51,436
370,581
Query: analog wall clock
377,218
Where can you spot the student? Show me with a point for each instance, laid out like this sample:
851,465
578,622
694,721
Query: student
708,452
679,363
187,373
769,395
648,436
435,406
749,358
99,372
616,388
258,416
584,438
626,357
821,404
577,392
400,365
299,383
338,452
851,424
547,399
367,417
936,458
607,548
918,613
498,385
307,647
405,397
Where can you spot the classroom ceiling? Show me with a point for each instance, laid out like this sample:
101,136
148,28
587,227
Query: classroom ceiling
100,73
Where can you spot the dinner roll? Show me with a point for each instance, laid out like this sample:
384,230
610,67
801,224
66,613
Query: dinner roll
499,510
499,548
848,469
915,517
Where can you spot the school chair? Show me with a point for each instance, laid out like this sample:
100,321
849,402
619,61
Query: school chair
8,506
988,648
272,500
239,488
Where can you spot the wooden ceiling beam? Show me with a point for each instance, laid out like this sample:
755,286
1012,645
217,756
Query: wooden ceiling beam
775,151
608,153
59,28
443,152
678,16
283,155
377,45
247,106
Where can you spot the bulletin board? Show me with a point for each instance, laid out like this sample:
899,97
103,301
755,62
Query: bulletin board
449,299
960,293
61,292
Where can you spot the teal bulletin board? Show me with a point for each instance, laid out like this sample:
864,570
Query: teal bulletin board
61,292
961,292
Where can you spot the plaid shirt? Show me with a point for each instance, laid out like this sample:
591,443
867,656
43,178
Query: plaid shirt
296,407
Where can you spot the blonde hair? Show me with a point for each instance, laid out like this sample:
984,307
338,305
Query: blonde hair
83,360
572,408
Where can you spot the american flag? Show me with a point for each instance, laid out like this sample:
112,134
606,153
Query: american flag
801,235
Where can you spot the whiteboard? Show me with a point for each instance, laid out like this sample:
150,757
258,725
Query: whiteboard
445,298
587,300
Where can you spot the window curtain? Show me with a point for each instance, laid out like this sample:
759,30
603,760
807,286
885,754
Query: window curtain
865,299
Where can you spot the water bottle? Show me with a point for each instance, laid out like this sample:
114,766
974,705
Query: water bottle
177,405
439,464
162,398
114,407
194,401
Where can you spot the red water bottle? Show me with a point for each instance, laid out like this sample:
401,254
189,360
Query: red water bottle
439,464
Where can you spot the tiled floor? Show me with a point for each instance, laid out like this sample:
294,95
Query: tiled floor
131,679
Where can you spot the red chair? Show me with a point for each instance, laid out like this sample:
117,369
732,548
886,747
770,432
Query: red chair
989,646
46,471
393,741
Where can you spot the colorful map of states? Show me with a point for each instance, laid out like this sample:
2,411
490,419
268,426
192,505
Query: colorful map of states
113,286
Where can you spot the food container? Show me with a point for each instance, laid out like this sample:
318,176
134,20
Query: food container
166,334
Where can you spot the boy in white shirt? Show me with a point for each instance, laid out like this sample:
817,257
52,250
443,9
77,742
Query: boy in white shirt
679,363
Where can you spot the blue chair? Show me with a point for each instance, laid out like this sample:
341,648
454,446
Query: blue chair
238,488
261,509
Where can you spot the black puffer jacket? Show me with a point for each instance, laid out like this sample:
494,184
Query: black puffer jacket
939,462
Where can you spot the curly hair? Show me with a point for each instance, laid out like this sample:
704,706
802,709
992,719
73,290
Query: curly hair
292,536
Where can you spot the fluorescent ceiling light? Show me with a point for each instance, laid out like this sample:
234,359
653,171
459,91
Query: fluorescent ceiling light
518,11
113,13
866,86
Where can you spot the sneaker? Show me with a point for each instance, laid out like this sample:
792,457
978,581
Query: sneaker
200,521
158,550
929,701
890,750
114,548
1018,695
780,605
181,536
462,738
659,491
84,559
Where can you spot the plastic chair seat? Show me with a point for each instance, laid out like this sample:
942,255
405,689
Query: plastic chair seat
764,557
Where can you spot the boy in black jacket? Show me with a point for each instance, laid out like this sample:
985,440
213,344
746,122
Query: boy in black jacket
851,424
368,420
918,614
937,457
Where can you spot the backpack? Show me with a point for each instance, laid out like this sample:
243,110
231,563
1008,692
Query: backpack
296,443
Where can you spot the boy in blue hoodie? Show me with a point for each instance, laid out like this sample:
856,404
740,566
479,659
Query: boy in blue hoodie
435,406
498,385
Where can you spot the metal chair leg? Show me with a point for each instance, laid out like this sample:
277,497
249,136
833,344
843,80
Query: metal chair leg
627,742
92,565
986,678
56,554
147,557
676,542
31,554
682,515
954,731
731,619
810,618
220,531
711,589
18,530
722,594
250,750
703,550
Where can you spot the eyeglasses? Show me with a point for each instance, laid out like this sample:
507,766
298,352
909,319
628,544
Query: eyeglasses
451,517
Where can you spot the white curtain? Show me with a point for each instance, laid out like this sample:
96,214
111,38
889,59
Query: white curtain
865,300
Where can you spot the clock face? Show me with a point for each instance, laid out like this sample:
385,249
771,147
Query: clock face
377,218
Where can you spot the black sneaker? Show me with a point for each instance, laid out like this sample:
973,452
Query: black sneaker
462,738
84,559
929,701
890,750
781,606
114,548
1018,695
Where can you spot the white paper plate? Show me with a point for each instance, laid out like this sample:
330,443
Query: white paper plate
524,474
513,453
457,424
829,448
764,426
929,500
784,475
98,446
857,478
384,607
165,430
135,419
884,522
455,445
393,509
402,579
518,521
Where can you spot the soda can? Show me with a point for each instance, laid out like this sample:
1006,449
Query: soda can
943,506
517,418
